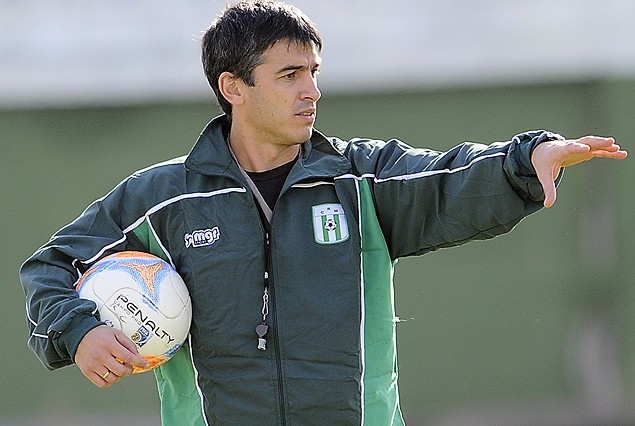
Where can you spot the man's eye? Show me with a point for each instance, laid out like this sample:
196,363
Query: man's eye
289,76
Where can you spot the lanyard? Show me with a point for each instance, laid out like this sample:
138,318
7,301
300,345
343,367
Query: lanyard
262,328
266,210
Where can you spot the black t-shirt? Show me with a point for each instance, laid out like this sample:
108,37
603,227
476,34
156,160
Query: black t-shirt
270,182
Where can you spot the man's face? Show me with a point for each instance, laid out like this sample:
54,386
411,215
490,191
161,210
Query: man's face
280,108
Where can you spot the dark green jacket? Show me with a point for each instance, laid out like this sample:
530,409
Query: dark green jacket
347,211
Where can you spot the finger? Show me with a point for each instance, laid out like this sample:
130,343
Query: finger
615,153
129,354
550,194
117,368
114,370
597,142
602,145
547,181
102,380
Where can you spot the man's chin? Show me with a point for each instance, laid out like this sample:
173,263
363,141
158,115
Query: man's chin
301,137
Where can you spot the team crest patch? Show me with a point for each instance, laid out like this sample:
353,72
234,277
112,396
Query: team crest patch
329,224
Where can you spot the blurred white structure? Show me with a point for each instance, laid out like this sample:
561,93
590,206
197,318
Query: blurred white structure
71,51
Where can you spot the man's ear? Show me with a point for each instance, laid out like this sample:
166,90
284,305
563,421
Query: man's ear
230,87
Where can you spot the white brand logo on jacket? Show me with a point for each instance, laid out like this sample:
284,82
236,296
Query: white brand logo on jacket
201,238
329,224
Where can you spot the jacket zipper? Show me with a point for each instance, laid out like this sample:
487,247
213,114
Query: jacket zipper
263,329
269,289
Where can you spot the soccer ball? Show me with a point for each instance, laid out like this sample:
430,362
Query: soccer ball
143,296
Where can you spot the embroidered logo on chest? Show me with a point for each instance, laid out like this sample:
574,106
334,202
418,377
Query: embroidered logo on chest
202,238
329,224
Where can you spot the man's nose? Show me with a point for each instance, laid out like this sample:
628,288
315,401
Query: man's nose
311,90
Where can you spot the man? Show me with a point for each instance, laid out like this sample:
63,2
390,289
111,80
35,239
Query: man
293,316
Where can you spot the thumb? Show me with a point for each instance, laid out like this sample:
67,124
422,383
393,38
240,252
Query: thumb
131,356
547,180
550,194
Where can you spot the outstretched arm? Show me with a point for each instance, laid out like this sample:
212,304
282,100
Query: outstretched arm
549,157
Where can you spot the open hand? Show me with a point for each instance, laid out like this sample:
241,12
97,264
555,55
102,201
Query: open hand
549,157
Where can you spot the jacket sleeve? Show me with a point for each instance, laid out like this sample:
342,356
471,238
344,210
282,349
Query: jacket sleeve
427,200
57,318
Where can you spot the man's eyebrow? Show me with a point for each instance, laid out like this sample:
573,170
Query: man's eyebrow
292,68
298,67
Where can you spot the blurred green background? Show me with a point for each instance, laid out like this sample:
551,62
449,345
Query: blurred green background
533,327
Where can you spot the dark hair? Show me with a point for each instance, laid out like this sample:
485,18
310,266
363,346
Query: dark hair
238,37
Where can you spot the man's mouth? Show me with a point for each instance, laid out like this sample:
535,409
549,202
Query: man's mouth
307,112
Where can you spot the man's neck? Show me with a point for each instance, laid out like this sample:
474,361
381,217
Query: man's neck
255,156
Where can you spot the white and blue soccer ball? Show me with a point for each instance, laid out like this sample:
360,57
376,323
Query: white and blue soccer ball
144,297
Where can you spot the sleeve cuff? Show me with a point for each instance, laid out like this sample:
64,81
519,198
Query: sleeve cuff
69,339
518,166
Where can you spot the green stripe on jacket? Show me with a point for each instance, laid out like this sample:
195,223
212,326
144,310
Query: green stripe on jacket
381,393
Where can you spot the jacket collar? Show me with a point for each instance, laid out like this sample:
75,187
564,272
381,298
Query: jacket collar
210,155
